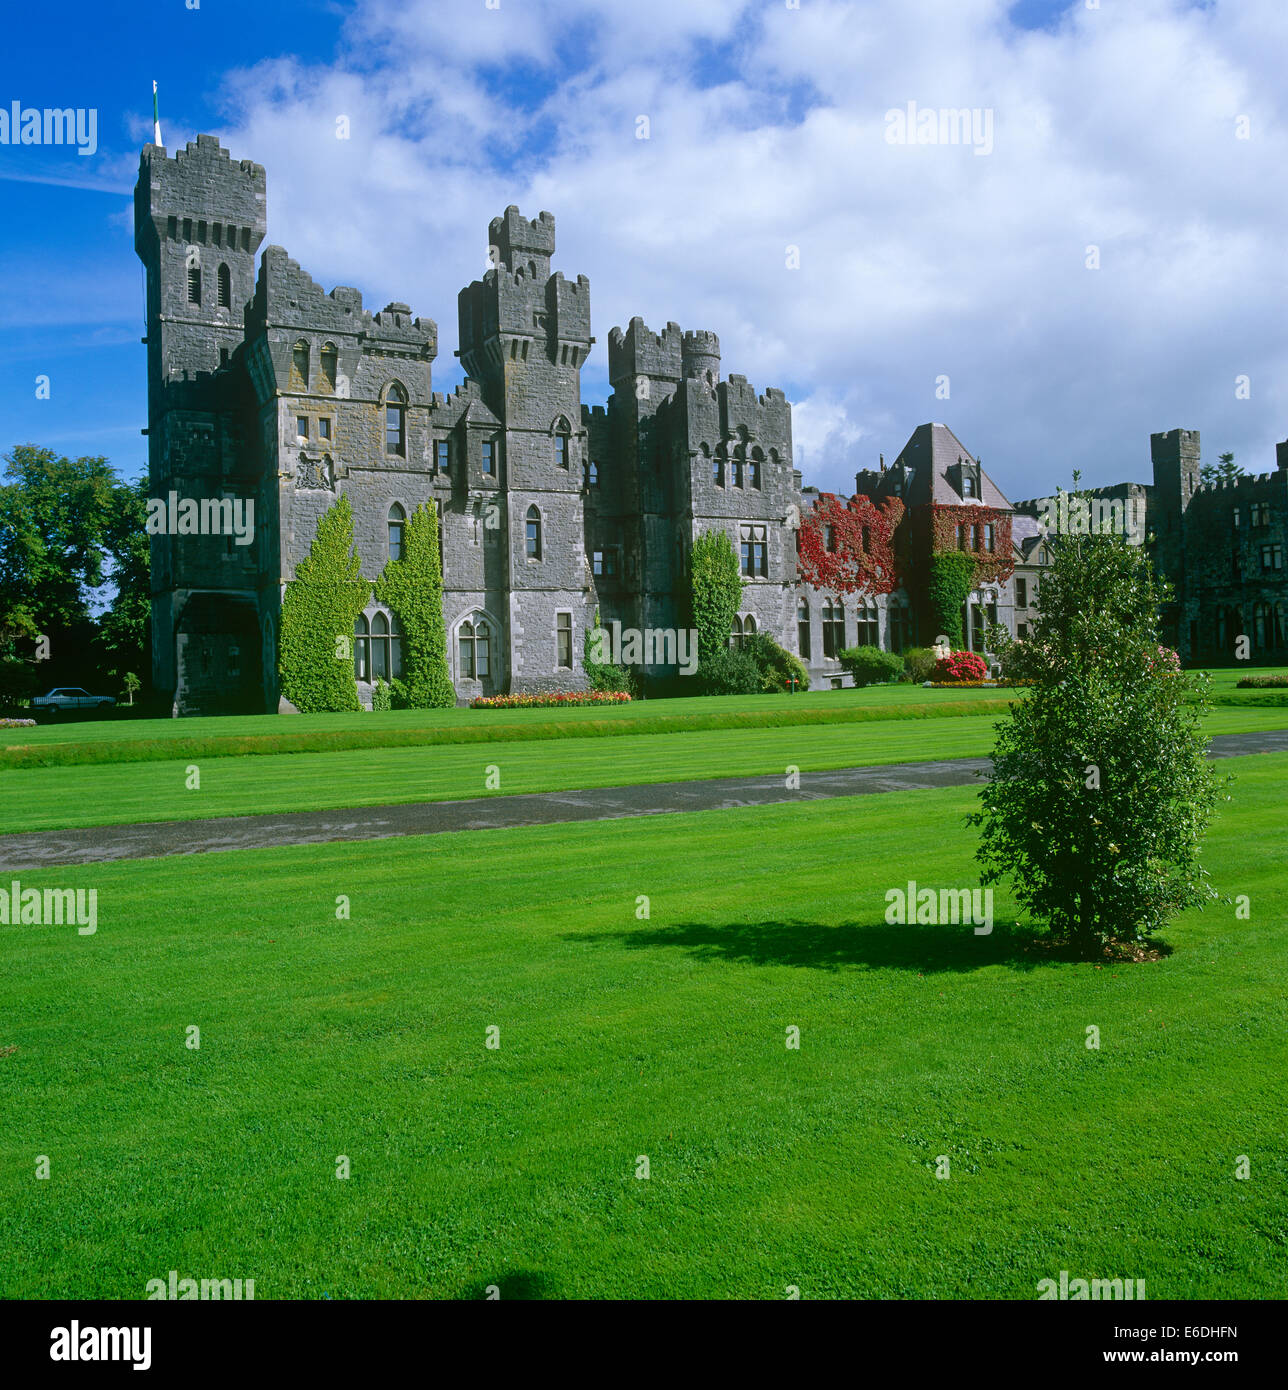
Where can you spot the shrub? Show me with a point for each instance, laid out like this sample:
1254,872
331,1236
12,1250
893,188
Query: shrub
961,668
715,589
553,698
870,665
1263,683
381,697
919,662
1101,790
319,608
728,673
412,586
776,665
605,675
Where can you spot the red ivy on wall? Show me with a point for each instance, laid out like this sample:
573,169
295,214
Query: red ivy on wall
990,566
848,565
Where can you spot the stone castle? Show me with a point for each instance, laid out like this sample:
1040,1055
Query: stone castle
264,389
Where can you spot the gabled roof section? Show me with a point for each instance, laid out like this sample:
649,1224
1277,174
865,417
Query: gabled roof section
925,471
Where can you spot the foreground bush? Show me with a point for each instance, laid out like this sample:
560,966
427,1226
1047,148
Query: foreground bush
776,665
919,663
870,665
961,668
554,698
728,673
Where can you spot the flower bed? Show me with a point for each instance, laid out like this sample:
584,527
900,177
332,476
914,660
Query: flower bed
961,668
1263,683
17,723
958,685
554,698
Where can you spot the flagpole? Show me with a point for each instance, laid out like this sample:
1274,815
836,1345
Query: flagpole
156,117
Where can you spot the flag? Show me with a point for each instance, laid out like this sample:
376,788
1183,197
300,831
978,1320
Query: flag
156,118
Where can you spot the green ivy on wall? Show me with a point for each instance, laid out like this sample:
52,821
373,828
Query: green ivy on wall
412,587
716,580
315,646
951,578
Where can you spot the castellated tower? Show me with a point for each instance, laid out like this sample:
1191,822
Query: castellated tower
524,335
701,454
1175,458
198,221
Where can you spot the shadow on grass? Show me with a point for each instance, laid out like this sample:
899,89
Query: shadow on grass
522,1284
877,946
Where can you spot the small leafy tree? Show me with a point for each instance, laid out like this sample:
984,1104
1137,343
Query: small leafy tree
413,588
132,684
716,581
315,654
1101,790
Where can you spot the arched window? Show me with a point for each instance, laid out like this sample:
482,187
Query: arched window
396,420
397,521
330,363
1279,630
735,634
300,366
563,442
361,648
533,537
1261,631
593,474
225,288
738,465
194,284
802,629
754,468
474,642
717,470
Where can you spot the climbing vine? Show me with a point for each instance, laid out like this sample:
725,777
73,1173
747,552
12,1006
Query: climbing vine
412,586
849,547
315,645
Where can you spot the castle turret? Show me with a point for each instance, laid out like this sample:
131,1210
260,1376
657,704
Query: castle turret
700,356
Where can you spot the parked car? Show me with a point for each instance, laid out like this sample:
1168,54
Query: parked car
67,698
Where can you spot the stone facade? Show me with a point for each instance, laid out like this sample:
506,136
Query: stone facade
266,390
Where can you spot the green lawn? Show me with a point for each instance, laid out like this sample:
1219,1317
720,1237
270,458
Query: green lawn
623,1037
52,798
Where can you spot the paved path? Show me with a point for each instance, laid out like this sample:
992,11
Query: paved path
95,844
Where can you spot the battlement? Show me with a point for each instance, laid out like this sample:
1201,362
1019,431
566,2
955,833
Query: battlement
288,296
640,352
517,238
201,196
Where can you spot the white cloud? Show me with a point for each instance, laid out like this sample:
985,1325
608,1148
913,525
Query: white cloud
1116,128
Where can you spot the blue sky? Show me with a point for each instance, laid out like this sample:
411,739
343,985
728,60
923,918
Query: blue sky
1114,126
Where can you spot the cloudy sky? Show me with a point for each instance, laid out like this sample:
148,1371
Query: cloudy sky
880,284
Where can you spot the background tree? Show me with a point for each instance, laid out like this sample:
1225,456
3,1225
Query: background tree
319,608
1101,790
716,591
72,543
413,588
125,627
1224,471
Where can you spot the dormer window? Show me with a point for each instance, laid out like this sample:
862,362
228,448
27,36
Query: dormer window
968,485
489,458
